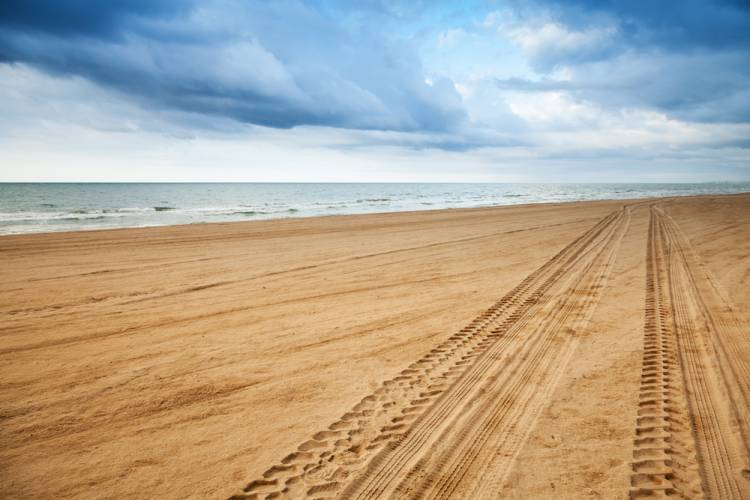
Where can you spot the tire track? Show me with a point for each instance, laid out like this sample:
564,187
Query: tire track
488,458
498,397
705,389
664,458
325,464
730,339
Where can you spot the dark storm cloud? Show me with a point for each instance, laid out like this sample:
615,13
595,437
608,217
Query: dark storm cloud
277,64
84,17
343,64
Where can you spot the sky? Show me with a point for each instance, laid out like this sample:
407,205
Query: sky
375,90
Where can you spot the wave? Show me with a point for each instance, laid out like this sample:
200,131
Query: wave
247,212
93,217
230,211
128,210
30,217
373,200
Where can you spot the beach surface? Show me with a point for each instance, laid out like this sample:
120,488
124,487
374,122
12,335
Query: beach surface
575,350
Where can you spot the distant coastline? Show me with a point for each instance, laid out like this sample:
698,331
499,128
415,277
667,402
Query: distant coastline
40,207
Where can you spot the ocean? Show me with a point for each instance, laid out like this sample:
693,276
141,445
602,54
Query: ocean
42,207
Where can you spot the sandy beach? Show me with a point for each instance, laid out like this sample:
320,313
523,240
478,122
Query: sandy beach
577,350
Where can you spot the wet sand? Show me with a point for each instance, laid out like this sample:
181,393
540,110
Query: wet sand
594,349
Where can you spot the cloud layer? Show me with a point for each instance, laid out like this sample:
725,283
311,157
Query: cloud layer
523,81
278,64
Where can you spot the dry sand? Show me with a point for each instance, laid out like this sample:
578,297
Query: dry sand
572,350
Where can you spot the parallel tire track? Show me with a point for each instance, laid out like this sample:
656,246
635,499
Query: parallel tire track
350,450
701,387
497,397
504,435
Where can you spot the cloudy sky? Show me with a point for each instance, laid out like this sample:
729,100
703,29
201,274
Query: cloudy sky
375,90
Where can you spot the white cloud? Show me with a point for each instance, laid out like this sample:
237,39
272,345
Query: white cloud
68,129
497,19
550,43
554,110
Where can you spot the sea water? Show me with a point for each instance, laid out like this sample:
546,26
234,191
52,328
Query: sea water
44,207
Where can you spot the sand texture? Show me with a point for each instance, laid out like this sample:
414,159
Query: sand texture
583,350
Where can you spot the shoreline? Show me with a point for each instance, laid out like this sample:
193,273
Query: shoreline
317,216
